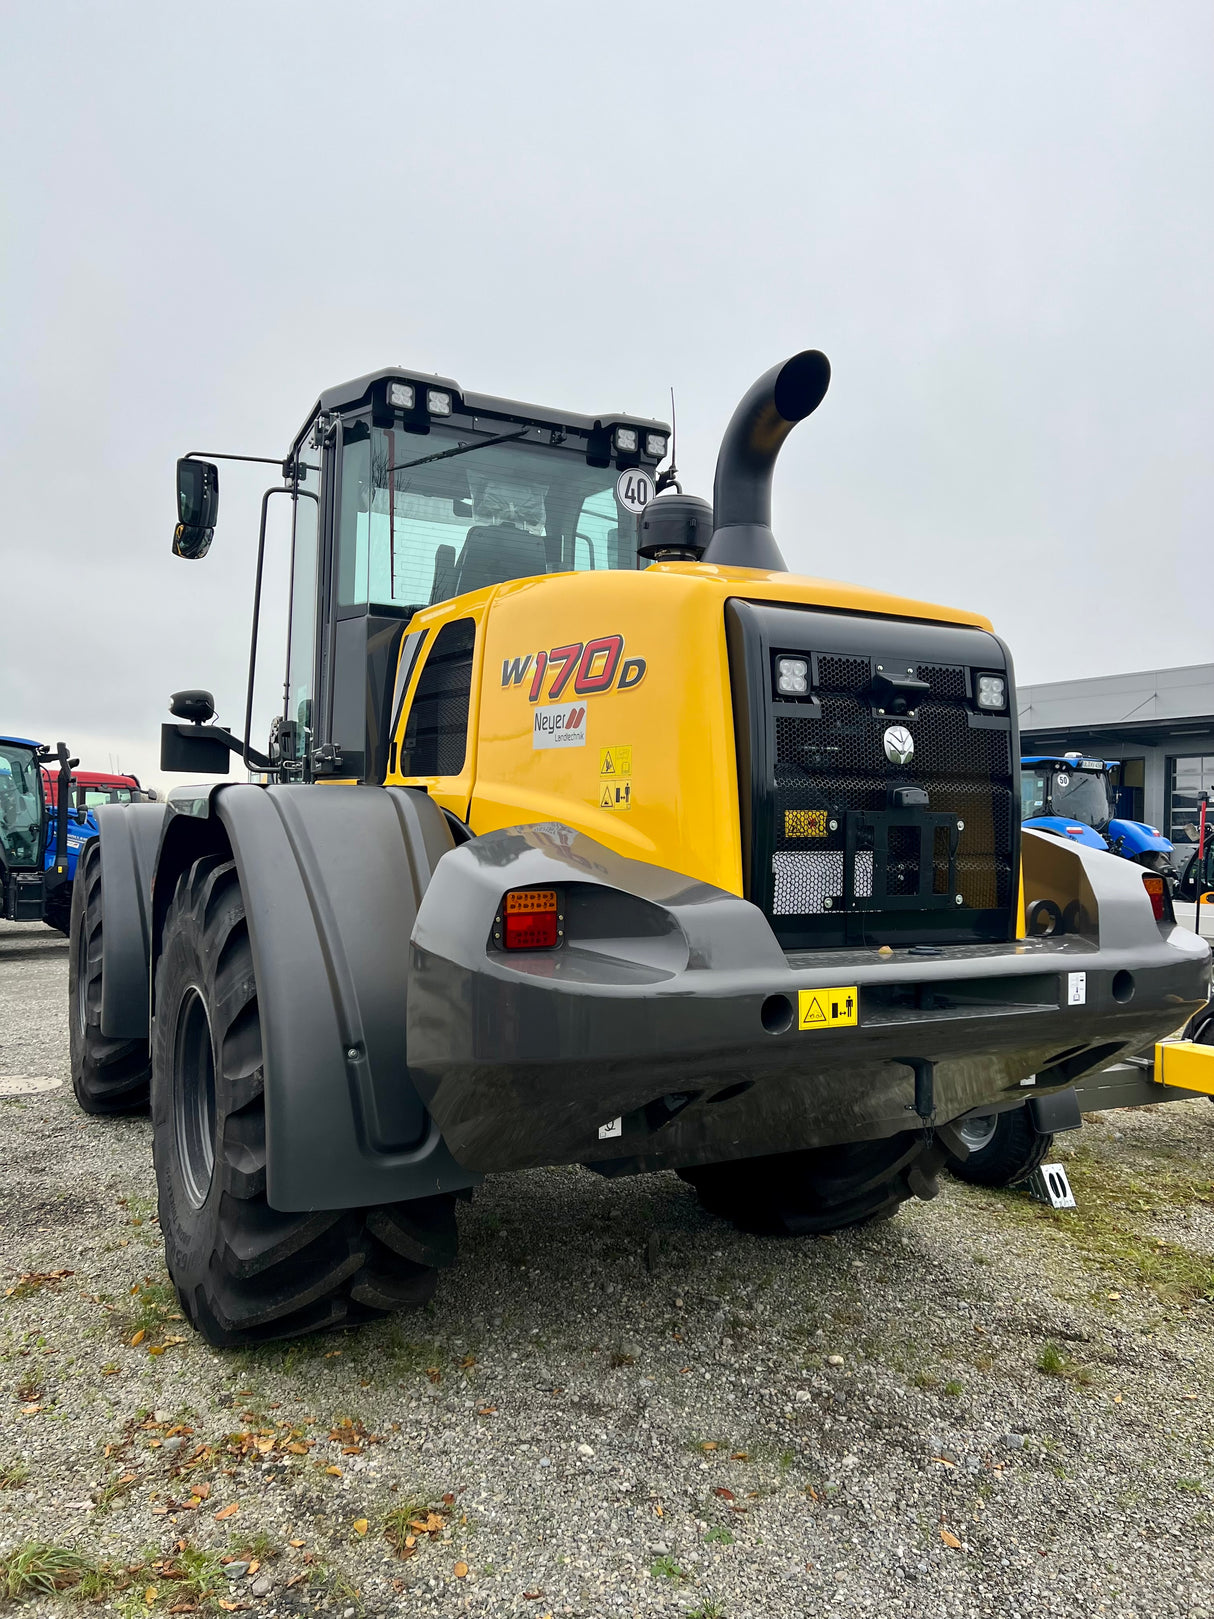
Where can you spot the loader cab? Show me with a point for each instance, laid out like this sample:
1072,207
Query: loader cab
409,492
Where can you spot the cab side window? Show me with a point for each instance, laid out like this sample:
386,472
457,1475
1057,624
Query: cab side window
436,731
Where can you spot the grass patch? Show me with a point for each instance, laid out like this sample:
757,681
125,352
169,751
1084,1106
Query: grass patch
706,1610
1054,1363
1193,1486
953,1389
38,1568
665,1568
13,1474
1113,1202
720,1536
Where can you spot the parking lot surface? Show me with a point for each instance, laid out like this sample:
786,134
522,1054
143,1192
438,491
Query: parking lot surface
617,1404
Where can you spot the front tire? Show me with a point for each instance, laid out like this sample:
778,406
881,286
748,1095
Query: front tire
821,1189
1005,1149
108,1076
246,1273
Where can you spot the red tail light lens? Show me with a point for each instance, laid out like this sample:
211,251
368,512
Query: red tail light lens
531,919
1154,887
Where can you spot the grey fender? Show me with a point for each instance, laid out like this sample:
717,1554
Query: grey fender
130,836
332,878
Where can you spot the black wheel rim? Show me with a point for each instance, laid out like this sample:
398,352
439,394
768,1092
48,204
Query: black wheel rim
194,1096
82,982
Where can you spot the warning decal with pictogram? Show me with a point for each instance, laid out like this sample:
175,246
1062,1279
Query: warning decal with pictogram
828,1008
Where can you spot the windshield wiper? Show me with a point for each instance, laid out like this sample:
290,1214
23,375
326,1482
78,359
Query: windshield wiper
460,449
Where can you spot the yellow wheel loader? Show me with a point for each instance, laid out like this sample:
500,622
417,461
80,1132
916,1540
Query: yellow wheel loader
589,835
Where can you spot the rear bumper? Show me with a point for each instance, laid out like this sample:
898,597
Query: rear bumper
672,1009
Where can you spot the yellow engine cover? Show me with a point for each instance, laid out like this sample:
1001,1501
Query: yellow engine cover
603,701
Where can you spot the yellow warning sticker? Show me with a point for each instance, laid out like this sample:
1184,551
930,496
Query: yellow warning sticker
615,795
615,761
805,823
828,1008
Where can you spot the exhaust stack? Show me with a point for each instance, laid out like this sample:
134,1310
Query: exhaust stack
784,396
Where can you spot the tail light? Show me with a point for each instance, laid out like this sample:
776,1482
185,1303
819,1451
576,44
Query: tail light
1158,895
530,919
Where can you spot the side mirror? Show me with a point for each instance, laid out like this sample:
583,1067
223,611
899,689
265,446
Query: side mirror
197,508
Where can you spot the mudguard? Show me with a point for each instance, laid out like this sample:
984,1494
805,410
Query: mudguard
332,878
130,835
1136,838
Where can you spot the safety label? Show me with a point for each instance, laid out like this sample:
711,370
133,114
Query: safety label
615,761
1076,989
613,1127
828,1008
615,795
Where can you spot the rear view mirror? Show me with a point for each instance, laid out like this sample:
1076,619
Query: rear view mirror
197,508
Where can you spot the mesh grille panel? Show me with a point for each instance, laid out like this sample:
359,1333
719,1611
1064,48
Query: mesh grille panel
805,881
843,674
827,766
945,680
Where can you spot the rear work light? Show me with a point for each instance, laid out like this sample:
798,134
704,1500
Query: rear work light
1158,895
531,919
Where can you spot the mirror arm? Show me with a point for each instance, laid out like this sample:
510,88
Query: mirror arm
217,733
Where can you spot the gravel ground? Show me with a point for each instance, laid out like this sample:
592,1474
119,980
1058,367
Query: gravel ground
618,1405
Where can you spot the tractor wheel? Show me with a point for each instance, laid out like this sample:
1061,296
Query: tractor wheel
108,1076
1004,1148
246,1273
823,1188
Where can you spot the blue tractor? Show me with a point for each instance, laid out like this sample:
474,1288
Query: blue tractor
1073,797
39,843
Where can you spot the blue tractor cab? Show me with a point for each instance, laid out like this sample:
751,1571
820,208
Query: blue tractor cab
1072,796
39,844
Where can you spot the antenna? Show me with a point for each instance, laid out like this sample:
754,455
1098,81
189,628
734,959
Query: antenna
670,478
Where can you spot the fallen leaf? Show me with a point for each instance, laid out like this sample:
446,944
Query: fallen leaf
191,1505
1112,1295
448,1499
254,1565
361,1525
160,1509
184,1607
532,1596
31,1410
227,1512
740,1456
200,1490
1117,1399
139,1337
950,1539
297,1543
943,1461
335,1471
710,1444
726,1495
487,1411
295,1579
461,1570
298,1450
434,1374
228,1607
150,1595
155,1349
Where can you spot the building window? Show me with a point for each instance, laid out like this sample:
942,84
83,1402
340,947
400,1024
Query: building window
436,732
1188,778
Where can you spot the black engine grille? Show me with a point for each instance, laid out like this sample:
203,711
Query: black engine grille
836,852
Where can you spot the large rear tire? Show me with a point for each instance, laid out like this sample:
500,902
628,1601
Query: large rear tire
108,1076
247,1273
824,1188
1005,1149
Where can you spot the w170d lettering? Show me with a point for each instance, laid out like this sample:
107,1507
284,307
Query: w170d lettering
586,667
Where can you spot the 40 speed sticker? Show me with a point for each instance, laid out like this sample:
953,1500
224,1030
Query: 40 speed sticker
828,1008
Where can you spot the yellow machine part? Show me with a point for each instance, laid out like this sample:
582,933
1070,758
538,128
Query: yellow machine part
1185,1065
603,701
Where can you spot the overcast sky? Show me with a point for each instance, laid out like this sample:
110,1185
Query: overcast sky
995,218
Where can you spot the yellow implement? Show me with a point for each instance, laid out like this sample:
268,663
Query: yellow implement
1185,1065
